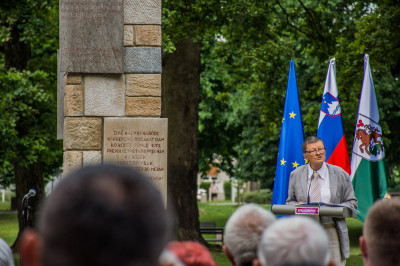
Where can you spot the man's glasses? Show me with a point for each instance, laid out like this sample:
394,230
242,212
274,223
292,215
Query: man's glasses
313,152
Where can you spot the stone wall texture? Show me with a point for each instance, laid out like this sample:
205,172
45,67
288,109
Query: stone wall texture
82,133
104,95
147,35
143,106
73,100
147,12
143,84
72,161
90,99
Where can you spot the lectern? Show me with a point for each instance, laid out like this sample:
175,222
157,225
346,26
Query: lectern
315,210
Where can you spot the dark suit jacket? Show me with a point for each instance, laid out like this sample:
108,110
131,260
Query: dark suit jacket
341,192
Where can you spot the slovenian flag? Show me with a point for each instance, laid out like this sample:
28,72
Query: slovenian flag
330,125
290,154
368,169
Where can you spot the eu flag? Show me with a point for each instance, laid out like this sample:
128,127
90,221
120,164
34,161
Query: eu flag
290,154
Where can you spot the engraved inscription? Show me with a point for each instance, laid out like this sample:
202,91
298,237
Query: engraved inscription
91,36
140,143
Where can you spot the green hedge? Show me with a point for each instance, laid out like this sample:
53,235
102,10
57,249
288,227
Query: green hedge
206,186
262,196
228,190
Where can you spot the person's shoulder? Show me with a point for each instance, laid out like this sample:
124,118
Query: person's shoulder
337,170
299,169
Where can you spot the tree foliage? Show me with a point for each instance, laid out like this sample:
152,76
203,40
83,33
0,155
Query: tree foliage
27,122
28,87
28,95
245,69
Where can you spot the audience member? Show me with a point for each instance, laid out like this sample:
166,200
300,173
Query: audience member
99,215
243,232
294,241
189,253
380,243
6,256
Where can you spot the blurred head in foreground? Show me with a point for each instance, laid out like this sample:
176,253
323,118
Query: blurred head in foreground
99,215
380,243
188,253
6,256
243,232
294,241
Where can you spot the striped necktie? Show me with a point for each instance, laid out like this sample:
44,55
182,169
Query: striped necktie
315,191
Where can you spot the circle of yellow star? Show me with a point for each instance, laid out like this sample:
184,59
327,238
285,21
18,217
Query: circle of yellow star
292,114
295,164
283,161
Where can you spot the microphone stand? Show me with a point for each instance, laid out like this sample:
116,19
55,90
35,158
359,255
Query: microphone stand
26,209
25,212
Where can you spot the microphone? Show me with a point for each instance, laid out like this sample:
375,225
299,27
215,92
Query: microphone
31,193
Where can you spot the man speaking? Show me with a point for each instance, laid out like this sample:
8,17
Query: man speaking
318,181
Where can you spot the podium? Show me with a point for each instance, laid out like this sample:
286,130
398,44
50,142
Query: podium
315,211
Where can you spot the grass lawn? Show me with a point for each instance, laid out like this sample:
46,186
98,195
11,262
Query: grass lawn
214,211
218,212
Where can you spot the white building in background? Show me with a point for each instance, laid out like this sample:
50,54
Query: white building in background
215,174
220,177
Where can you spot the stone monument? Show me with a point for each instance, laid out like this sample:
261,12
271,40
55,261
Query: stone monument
110,52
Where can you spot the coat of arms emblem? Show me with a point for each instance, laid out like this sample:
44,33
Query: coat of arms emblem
368,140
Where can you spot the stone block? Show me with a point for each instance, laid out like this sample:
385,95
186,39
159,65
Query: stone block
91,157
142,12
128,35
73,100
143,60
143,84
72,161
104,95
73,79
147,35
82,133
143,106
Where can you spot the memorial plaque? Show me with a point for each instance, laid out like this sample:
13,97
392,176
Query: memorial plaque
140,143
91,36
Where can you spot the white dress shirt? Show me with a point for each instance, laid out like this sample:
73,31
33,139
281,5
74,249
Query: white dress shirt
323,182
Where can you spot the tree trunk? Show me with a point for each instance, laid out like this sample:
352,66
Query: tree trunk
16,53
180,101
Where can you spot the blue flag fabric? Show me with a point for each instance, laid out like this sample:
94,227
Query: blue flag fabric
290,154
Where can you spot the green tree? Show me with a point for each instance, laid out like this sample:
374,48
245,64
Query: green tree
250,60
28,41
